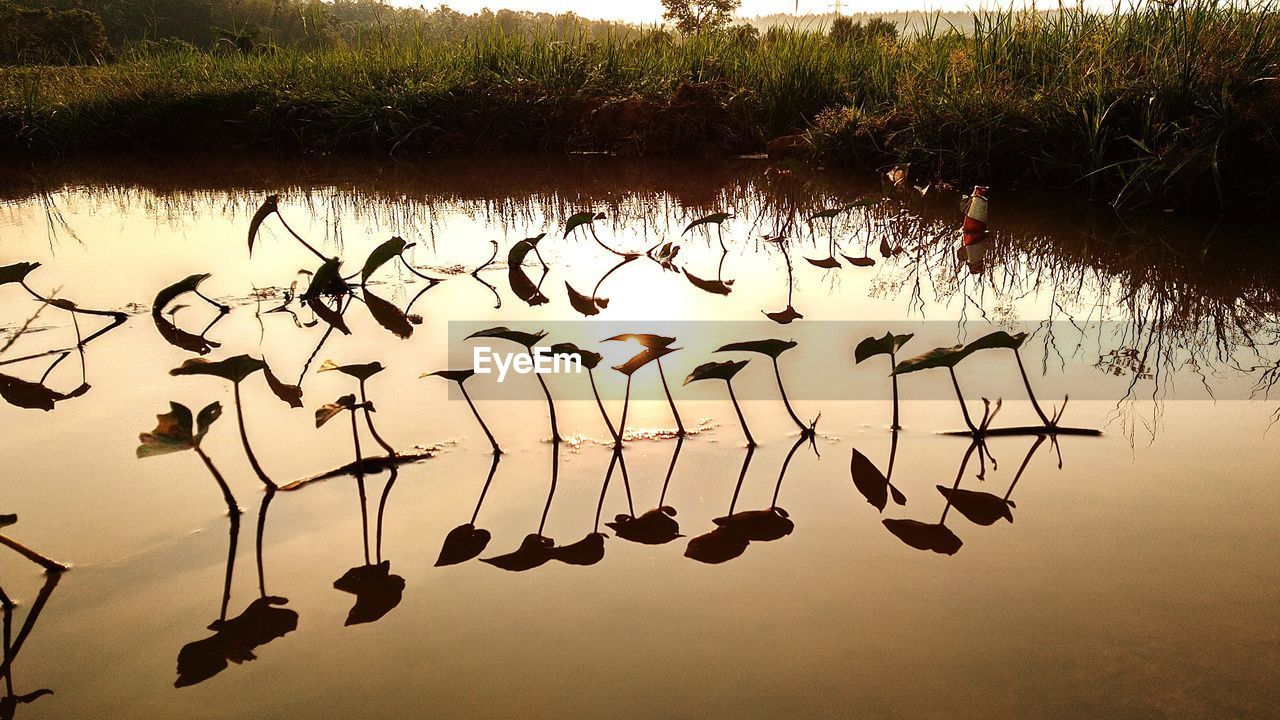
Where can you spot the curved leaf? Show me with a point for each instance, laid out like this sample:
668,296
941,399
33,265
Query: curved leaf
925,536
388,315
715,287
830,263
860,261
712,219
16,272
937,357
642,358
291,394
887,345
980,508
872,483
578,219
784,317
589,359
234,369
458,376
176,431
886,250
586,305
326,281
7,520
647,340
26,394
716,371
522,286
188,284
380,256
773,348
362,371
997,339
329,315
502,332
328,411
270,205
521,249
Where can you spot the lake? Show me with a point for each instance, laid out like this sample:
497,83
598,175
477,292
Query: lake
1043,570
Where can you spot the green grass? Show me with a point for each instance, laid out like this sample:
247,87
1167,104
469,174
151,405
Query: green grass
1162,104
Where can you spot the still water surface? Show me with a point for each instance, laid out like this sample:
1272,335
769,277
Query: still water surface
1137,577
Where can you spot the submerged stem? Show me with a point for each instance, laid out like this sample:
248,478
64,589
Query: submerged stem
741,420
244,440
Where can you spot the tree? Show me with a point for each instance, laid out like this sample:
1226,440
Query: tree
691,16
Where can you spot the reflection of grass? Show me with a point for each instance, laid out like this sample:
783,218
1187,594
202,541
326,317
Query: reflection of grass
1135,103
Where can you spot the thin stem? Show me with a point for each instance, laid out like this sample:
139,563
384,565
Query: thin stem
893,363
555,429
670,400
783,472
959,474
244,440
364,502
783,391
305,244
232,506
742,474
262,529
233,540
1027,383
605,488
493,468
382,509
1025,461
626,403
751,442
963,408
368,419
555,476
32,555
626,481
496,450
600,404
13,645
675,455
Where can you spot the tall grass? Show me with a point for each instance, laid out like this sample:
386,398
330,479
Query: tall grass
1157,103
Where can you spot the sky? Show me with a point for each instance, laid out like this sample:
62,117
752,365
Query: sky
650,11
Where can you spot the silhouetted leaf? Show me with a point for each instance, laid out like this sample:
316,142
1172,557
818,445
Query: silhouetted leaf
713,218
655,527
504,333
579,219
329,315
925,536
830,263
7,520
463,543
16,272
869,480
587,551
979,507
860,261
234,369
898,497
589,359
642,358
937,357
269,206
458,376
175,430
586,305
26,394
997,339
772,348
784,317
759,525
291,394
328,411
719,545
826,214
326,280
362,371
377,592
715,287
870,347
521,249
716,371
388,315
182,287
534,551
380,256
886,250
648,340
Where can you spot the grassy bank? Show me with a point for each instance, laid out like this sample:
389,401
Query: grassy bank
1163,104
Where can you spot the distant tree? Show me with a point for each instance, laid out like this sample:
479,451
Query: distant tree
50,37
844,30
691,16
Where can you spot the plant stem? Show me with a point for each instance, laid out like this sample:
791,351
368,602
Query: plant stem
262,530
963,408
742,474
893,363
496,450
675,455
670,400
368,420
783,472
244,440
555,475
600,404
1027,383
551,406
741,420
787,403
232,506
32,555
493,468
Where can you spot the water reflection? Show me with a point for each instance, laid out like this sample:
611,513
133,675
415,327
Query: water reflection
13,643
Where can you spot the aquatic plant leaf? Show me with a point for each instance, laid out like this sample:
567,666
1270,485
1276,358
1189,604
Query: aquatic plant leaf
655,527
980,508
860,261
830,263
290,394
720,545
388,315
784,317
578,219
326,280
886,250
587,551
712,219
458,376
504,333
270,205
176,431
362,371
898,497
937,357
329,315
924,536
716,371
586,305
715,287
463,543
588,358
533,552
826,214
647,340
235,369
521,249
328,411
378,591
773,348
642,358
380,256
887,345
188,284
26,394
872,483
7,520
522,286
997,339
759,525
16,272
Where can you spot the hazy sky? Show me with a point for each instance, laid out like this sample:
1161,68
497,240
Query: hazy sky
646,11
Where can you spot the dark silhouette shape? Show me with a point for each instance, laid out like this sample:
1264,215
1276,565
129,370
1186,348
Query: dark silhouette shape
49,565
788,314
536,549
887,345
12,645
528,340
169,330
467,541
177,431
982,508
724,371
656,346
590,360
378,591
874,485
772,349
657,526
461,377
726,541
936,537
521,285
